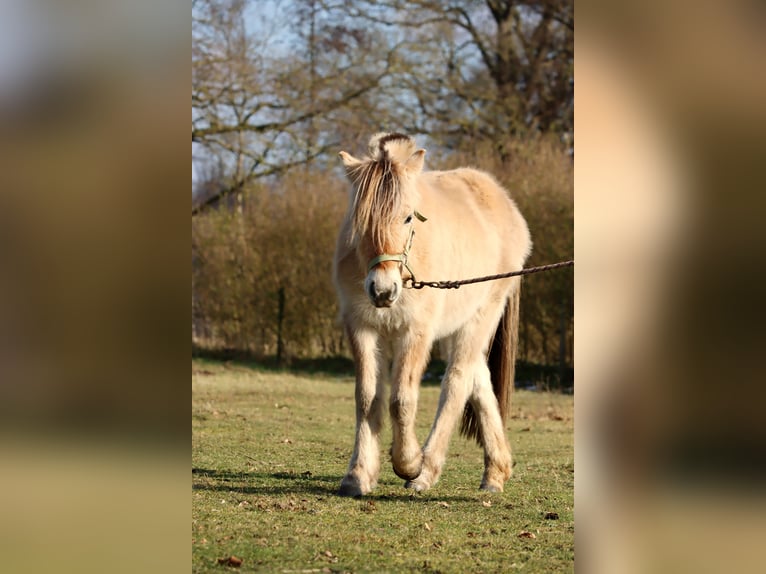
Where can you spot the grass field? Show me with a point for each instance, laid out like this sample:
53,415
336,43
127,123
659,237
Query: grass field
269,450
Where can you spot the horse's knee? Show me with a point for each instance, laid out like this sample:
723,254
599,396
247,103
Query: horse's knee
369,414
368,402
401,409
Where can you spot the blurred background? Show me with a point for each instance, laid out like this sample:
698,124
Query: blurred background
668,176
94,285
670,160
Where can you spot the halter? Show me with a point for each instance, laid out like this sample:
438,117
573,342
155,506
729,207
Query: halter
400,257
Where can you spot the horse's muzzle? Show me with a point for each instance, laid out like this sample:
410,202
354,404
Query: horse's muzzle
383,297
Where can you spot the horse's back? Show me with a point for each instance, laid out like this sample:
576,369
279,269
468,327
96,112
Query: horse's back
471,188
479,204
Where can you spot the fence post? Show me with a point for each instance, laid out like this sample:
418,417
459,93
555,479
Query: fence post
280,321
562,344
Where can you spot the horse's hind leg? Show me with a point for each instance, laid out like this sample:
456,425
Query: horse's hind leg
454,393
364,468
497,452
467,377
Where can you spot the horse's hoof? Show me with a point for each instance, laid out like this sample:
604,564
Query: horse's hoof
409,467
350,489
408,476
416,485
491,488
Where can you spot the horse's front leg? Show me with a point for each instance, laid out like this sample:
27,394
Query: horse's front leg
364,468
410,360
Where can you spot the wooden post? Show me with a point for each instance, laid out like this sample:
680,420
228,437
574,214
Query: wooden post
562,344
280,322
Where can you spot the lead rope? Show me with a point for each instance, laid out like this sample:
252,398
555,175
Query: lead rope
413,284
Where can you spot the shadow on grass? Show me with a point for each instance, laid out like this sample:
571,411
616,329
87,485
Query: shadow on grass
530,376
341,367
285,483
331,366
278,483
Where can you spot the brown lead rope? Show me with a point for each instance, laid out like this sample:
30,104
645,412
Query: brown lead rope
456,284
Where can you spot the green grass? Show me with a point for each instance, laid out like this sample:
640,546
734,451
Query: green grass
269,450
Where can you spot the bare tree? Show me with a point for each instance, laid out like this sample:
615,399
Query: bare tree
488,69
252,101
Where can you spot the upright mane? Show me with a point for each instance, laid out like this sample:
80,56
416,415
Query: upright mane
378,186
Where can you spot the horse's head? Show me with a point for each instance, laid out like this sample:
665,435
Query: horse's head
384,205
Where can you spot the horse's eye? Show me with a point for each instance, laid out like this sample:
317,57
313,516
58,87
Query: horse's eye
408,220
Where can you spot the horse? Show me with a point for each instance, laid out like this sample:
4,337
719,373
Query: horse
467,225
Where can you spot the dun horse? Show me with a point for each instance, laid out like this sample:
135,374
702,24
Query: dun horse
472,229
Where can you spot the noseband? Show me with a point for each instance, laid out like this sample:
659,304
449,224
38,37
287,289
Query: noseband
400,257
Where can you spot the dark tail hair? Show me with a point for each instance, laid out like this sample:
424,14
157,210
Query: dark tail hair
502,364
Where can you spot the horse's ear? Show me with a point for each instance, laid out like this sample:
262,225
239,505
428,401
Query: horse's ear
414,164
349,161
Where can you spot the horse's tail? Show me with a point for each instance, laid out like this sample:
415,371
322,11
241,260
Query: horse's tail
502,364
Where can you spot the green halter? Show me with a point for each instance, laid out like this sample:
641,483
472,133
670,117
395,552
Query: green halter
400,257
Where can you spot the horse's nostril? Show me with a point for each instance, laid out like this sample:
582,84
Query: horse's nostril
383,296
